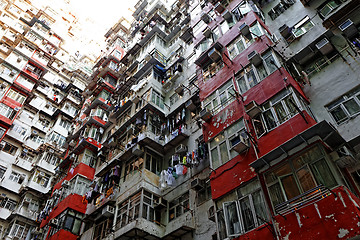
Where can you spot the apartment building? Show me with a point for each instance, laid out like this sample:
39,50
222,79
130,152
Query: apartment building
199,120
41,85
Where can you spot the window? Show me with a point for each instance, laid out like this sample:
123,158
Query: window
17,177
19,231
80,185
132,165
16,96
7,111
2,132
57,138
327,8
9,148
65,124
153,162
220,98
252,75
211,69
33,205
299,175
70,221
24,81
102,229
197,29
37,139
89,158
19,129
41,178
280,8
204,194
174,98
157,99
242,210
241,10
276,111
179,206
129,210
51,159
221,145
346,107
2,171
8,203
302,27
237,46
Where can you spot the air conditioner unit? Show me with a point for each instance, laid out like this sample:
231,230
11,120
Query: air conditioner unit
349,28
190,105
54,222
160,203
181,148
179,89
207,32
255,58
227,15
197,184
108,211
240,142
324,46
214,55
211,213
205,17
18,60
252,109
219,7
136,150
65,183
175,76
205,115
244,29
285,31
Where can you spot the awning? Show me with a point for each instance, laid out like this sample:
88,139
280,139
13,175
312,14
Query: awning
323,130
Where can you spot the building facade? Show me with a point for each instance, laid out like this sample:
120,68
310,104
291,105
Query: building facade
201,120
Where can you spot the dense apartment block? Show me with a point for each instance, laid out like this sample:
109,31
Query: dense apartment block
198,120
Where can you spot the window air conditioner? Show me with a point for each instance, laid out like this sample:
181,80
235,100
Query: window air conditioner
136,150
219,7
197,184
108,211
207,32
179,89
160,203
349,28
205,17
285,31
214,55
205,115
324,46
252,109
65,183
211,213
54,222
240,142
181,148
254,58
227,15
190,105
244,29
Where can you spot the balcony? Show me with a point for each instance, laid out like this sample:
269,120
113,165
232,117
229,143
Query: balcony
99,101
47,166
322,213
87,142
24,83
180,226
9,74
38,187
33,71
24,212
4,213
23,163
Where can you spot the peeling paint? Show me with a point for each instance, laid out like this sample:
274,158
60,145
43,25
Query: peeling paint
343,233
330,216
287,236
317,209
342,199
298,219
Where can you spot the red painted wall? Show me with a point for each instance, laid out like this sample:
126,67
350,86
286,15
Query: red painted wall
261,233
62,235
333,218
237,171
73,201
